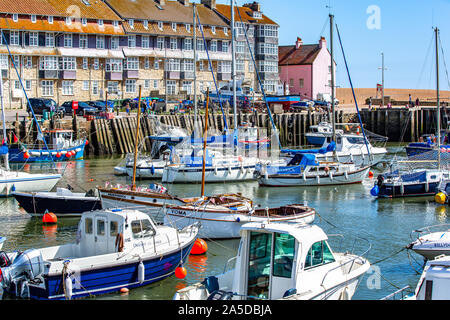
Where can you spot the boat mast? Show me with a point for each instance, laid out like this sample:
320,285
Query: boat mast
436,31
136,140
233,64
205,138
333,120
4,122
195,68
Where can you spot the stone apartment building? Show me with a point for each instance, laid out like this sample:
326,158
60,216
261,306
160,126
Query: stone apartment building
84,49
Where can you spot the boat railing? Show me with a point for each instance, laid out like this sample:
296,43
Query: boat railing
395,294
356,258
428,230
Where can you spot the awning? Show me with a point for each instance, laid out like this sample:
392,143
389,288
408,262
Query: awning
29,51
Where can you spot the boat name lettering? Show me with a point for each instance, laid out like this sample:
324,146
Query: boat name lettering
116,195
179,212
442,245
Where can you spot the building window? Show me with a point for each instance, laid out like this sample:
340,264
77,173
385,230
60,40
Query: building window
114,65
213,45
225,46
114,43
67,88
200,45
173,65
187,44
85,86
14,38
270,86
145,42
155,84
146,84
132,41
156,64
301,83
268,31
131,23
187,87
240,66
33,18
68,42
267,49
174,26
83,41
132,63
268,66
160,43
47,88
147,63
113,87
68,63
15,17
85,63
116,24
225,30
240,47
145,22
213,29
68,21
49,39
84,21
50,19
130,86
100,22
160,25
173,44
171,87
48,63
95,87
34,39
187,66
96,64
100,42
28,62
188,28
28,85
224,67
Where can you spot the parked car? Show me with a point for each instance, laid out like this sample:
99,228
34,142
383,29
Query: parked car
83,108
40,106
99,105
133,103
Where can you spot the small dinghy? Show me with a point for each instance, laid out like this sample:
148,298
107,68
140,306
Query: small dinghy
63,202
283,261
431,241
114,250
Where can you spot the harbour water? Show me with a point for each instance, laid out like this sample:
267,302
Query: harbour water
346,210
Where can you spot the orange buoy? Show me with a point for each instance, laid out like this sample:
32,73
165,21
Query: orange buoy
124,290
58,155
49,218
26,155
68,154
199,247
370,174
180,272
87,142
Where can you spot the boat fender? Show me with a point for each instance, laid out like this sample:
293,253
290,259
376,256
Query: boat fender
346,175
331,175
402,189
375,191
215,171
229,169
68,287
119,242
141,272
266,175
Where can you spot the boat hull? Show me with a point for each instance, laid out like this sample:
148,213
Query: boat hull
409,190
24,182
38,204
111,279
217,175
40,155
315,139
325,180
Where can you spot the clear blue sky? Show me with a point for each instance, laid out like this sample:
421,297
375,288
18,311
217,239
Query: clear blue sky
405,36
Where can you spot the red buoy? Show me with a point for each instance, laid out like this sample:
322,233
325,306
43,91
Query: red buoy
87,142
180,272
370,174
199,247
68,154
58,155
49,218
26,155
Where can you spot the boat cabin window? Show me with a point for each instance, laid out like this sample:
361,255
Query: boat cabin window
88,226
433,177
142,229
100,227
428,290
259,265
283,255
113,228
319,254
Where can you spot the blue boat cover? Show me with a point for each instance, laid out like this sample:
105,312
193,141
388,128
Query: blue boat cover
417,176
193,161
330,148
295,166
4,149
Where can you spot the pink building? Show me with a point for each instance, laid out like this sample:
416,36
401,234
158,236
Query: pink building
306,68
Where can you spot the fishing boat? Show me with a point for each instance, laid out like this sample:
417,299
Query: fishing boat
18,181
60,146
431,242
283,261
63,202
428,143
306,170
115,249
416,183
224,219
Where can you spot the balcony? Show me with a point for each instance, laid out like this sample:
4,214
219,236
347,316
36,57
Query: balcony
224,76
49,74
68,75
114,75
173,75
187,75
131,74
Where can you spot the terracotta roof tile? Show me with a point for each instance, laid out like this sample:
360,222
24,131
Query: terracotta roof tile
78,9
38,7
245,14
289,55
59,25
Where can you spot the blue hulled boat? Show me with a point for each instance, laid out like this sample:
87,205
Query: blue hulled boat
115,249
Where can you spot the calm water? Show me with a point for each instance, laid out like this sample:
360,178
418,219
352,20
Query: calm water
346,210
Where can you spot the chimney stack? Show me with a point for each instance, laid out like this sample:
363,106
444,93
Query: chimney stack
184,2
255,6
209,3
298,43
322,43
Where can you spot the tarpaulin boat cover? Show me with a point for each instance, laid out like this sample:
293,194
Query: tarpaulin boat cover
416,176
330,148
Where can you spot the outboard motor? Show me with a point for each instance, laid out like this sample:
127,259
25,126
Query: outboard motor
23,267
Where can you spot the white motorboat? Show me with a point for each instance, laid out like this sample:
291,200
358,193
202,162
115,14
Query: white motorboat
2,241
305,170
283,261
17,181
115,249
431,241
219,167
225,221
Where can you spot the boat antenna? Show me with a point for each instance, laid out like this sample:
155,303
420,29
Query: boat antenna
136,140
205,139
233,64
333,113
